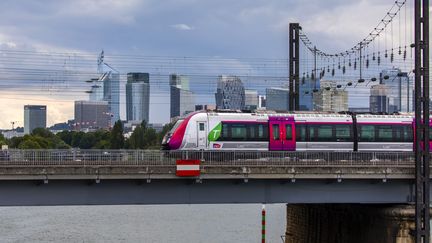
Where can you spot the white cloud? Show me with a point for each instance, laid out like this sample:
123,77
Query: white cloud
182,27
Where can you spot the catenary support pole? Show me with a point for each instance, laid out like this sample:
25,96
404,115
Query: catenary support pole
421,144
294,64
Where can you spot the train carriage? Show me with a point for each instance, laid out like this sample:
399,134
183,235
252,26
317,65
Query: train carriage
219,131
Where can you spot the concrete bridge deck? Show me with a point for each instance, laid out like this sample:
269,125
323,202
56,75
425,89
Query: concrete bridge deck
72,177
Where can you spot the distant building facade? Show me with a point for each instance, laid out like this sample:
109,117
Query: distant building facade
204,107
400,89
262,102
182,100
306,92
107,88
137,97
329,98
277,99
378,100
35,116
230,93
251,99
91,115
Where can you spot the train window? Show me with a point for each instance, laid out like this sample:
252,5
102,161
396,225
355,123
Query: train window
288,131
262,132
300,132
201,126
385,133
275,133
252,132
225,132
321,133
238,132
402,133
343,133
408,133
244,132
367,133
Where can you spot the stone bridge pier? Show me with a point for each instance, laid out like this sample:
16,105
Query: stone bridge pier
353,223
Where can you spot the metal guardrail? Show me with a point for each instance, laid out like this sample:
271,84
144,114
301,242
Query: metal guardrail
15,157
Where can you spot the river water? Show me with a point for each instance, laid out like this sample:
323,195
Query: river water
139,223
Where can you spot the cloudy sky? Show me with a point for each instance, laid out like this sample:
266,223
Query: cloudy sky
48,48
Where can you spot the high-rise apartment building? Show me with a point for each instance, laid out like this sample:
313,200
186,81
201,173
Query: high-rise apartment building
138,97
329,98
182,100
277,99
92,115
230,93
35,116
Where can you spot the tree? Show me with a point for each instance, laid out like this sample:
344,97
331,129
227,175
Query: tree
76,139
117,139
2,140
29,144
87,141
66,136
150,138
136,140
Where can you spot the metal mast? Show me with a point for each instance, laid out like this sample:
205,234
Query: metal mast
294,63
421,145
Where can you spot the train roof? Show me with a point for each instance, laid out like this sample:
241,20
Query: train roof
307,114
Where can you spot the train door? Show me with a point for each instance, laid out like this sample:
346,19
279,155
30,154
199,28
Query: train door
201,135
282,133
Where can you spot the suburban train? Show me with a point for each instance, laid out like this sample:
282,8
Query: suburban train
217,130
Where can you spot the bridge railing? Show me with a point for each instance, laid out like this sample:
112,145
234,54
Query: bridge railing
71,157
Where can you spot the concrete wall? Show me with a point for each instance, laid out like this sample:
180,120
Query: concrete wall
354,223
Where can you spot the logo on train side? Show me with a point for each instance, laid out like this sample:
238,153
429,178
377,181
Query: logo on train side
215,132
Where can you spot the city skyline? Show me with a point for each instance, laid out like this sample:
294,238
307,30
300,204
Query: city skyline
197,38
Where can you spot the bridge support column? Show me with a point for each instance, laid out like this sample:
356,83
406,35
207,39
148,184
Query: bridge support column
355,223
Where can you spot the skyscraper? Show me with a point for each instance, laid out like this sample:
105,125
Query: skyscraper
329,98
230,93
399,90
181,98
107,88
306,88
137,97
111,87
378,100
277,99
91,114
34,117
251,99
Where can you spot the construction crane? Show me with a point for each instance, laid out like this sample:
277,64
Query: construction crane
13,124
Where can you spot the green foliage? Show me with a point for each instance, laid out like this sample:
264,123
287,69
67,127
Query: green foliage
66,136
29,144
40,138
2,140
117,139
142,137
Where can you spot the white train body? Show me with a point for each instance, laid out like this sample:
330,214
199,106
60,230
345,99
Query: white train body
213,130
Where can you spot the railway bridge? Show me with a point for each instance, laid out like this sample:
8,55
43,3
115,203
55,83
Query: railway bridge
369,196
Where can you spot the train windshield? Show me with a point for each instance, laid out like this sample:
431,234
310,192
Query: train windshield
176,125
